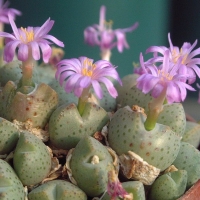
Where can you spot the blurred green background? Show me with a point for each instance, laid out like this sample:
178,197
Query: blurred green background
73,16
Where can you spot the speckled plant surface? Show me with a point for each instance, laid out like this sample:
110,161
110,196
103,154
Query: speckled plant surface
73,129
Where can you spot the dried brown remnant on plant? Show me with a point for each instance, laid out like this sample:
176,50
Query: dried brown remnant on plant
134,167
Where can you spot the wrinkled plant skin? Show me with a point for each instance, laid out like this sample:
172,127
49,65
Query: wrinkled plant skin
134,187
36,106
10,185
91,178
67,127
57,190
32,160
9,135
169,186
192,133
158,147
189,159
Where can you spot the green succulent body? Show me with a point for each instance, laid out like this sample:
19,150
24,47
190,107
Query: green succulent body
192,133
57,190
189,159
67,127
159,147
91,177
169,186
32,160
10,185
36,106
9,135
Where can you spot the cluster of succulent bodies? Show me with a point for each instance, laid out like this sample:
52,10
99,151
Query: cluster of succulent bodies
77,131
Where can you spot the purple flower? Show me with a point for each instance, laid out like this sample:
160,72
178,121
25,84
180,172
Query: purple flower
81,73
29,40
4,10
165,78
189,64
102,34
115,188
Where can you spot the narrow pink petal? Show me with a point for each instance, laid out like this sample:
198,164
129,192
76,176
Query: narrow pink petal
194,53
91,36
156,91
14,27
65,75
170,43
132,28
149,84
97,89
7,35
44,29
102,17
9,50
157,49
85,81
110,87
71,81
55,40
102,64
121,41
23,52
35,50
46,51
78,89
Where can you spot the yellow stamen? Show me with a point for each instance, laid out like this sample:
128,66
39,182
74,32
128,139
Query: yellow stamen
165,75
88,67
108,24
29,35
176,56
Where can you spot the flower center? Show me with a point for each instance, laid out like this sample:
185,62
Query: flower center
108,24
164,75
88,67
29,35
176,56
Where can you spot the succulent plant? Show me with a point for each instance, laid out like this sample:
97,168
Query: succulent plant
90,163
63,97
158,147
168,186
36,106
32,160
134,187
129,94
9,135
10,185
173,115
192,133
57,190
188,159
66,131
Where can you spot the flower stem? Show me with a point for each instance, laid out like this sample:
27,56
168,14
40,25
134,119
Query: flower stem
155,108
106,54
1,38
26,83
83,100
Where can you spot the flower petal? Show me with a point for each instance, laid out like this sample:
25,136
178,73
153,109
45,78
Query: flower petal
23,52
97,89
35,50
9,50
46,51
55,40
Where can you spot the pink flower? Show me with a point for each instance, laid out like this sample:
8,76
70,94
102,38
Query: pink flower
82,73
165,78
189,63
4,10
104,36
29,40
115,189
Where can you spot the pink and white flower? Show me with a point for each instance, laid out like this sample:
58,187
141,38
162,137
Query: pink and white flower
189,63
81,73
165,78
104,36
29,41
4,10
